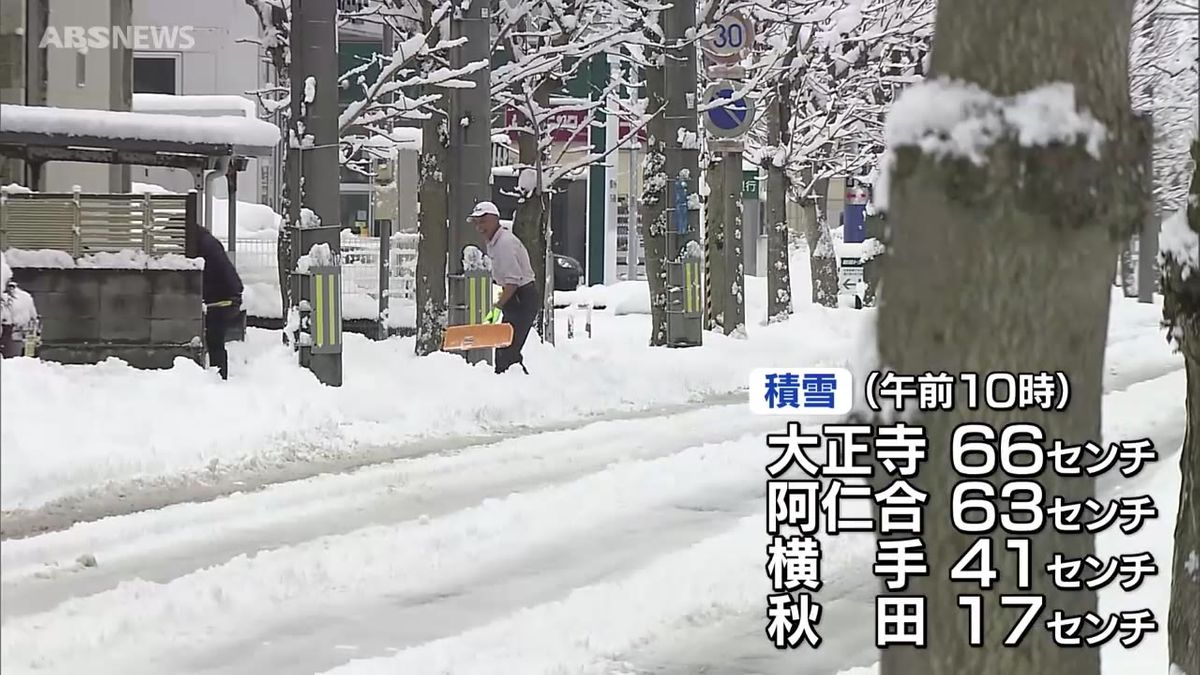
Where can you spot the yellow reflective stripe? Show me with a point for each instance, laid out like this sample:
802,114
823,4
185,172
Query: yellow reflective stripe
486,296
471,301
319,310
696,286
330,315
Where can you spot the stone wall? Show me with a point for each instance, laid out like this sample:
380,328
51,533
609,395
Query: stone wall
147,318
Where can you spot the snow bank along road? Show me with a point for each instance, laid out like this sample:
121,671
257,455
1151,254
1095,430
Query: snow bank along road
619,547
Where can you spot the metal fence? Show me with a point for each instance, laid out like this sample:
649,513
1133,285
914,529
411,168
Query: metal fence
257,263
82,224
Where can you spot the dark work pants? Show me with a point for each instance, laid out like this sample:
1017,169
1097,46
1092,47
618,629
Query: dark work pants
217,321
520,311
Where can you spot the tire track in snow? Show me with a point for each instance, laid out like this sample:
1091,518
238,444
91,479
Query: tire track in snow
124,498
142,625
160,545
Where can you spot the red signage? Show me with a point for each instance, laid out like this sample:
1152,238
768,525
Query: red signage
567,126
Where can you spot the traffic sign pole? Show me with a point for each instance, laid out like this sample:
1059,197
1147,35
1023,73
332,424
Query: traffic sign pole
727,119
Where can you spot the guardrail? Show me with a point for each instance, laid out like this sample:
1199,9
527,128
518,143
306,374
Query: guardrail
82,224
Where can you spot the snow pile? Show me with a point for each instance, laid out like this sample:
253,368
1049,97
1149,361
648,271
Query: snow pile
320,255
13,188
871,249
125,259
5,272
17,307
951,119
221,130
254,221
473,259
194,105
628,297
1179,241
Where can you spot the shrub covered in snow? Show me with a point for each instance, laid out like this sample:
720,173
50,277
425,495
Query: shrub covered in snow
17,308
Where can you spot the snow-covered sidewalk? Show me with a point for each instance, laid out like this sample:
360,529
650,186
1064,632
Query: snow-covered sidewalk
71,430
92,432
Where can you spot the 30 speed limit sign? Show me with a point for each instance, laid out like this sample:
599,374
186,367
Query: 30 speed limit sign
732,35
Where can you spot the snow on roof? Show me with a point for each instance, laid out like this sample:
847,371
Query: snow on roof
223,130
195,105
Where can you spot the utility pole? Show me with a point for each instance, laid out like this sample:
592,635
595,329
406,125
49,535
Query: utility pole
685,308
469,167
314,176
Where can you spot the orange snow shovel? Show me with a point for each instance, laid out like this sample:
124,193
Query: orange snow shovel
477,336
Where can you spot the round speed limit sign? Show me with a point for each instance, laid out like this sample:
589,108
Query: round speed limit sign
732,34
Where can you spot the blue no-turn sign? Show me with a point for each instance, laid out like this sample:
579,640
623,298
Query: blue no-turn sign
731,119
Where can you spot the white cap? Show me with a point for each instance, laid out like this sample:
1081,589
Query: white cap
485,209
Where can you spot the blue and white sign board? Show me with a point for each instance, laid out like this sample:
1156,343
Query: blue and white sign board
801,391
732,34
731,119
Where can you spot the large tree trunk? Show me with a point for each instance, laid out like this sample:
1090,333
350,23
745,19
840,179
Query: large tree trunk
433,225
654,200
779,277
531,221
821,254
1000,267
1181,311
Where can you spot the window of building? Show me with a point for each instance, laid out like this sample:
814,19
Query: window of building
156,74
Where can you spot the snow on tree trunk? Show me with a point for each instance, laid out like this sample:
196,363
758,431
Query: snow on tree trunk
821,253
432,222
530,219
1181,313
1128,269
779,278
654,201
1000,263
714,242
735,311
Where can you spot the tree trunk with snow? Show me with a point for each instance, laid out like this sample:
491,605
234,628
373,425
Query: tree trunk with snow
432,222
531,217
779,277
821,253
1005,266
714,241
1128,269
1181,314
653,214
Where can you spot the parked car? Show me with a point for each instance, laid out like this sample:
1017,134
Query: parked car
567,273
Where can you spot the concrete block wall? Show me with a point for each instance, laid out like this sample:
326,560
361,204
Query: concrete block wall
145,317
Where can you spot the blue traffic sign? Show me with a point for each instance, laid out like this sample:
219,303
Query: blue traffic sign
730,119
731,115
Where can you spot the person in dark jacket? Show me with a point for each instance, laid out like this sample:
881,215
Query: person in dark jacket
222,298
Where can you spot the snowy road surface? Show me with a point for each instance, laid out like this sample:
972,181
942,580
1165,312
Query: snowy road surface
631,546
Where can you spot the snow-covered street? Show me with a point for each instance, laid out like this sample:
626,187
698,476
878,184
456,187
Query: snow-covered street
621,546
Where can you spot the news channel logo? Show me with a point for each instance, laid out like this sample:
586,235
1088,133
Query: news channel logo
801,391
